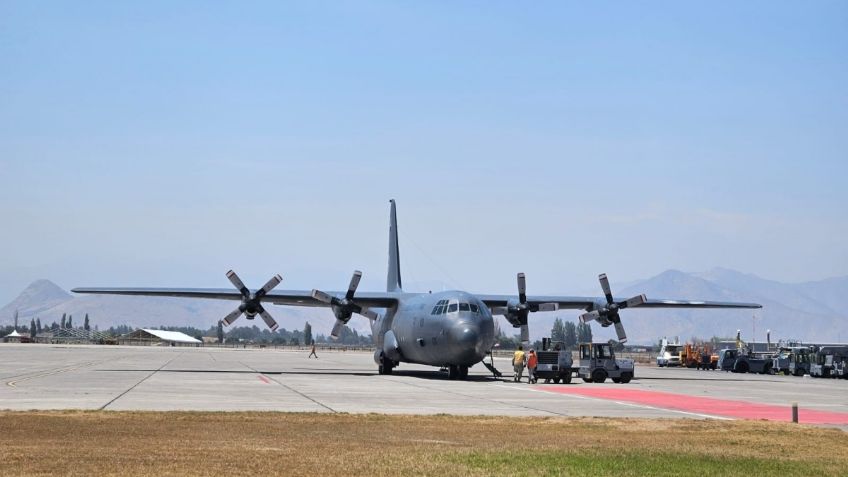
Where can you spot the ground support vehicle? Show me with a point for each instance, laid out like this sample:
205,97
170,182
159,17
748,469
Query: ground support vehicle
708,360
669,354
780,361
555,365
828,361
597,363
799,362
700,357
739,361
840,368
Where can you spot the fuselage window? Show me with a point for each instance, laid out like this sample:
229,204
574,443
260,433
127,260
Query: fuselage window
464,307
452,307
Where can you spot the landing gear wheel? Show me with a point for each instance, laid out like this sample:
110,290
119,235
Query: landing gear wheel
599,376
463,372
453,371
566,379
385,366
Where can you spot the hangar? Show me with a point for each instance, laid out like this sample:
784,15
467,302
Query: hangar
148,337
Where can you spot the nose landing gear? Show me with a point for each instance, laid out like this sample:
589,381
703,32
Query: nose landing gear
457,372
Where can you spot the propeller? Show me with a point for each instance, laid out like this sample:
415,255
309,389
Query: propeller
516,312
345,307
607,314
251,303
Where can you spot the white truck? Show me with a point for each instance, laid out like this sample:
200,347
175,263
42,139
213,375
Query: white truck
669,354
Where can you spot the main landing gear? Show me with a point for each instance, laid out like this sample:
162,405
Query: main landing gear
457,372
385,366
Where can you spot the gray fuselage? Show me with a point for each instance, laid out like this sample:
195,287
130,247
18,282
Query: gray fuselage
438,329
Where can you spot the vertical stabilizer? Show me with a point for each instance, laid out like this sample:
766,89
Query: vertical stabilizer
393,279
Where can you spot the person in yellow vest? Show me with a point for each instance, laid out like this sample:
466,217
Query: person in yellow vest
518,364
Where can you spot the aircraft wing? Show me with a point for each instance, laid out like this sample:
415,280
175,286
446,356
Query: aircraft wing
277,297
589,303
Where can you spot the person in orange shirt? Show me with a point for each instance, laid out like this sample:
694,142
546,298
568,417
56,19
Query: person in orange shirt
532,361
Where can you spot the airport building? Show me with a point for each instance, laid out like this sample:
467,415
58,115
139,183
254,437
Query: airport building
146,337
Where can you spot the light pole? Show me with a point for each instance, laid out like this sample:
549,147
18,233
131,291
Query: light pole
753,329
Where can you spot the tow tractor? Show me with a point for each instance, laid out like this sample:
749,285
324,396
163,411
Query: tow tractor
597,363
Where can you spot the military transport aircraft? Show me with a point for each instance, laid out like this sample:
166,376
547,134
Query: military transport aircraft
452,329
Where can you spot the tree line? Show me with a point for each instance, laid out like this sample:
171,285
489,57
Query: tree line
566,332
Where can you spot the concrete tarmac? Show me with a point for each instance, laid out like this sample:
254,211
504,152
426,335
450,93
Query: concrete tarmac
44,377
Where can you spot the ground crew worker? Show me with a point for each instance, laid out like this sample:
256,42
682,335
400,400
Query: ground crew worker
518,364
532,361
313,351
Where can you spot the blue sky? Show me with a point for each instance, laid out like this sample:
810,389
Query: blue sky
160,144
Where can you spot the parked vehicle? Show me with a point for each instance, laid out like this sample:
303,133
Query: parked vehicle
827,361
799,362
555,364
669,354
740,361
597,363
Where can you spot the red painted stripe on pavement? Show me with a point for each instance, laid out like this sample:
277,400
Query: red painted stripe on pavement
264,379
703,405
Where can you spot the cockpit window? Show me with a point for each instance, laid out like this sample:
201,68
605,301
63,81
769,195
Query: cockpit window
452,307
464,307
475,308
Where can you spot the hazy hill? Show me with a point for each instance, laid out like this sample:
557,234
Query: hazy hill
38,297
808,311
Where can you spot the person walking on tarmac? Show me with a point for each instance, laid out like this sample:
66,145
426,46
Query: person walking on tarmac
532,361
518,364
312,353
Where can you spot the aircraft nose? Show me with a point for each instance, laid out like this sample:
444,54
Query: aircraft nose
468,342
466,334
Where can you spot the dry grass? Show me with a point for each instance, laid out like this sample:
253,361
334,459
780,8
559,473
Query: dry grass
178,443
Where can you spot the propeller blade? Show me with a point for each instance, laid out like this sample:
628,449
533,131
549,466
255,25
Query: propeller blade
619,330
592,315
322,297
369,314
522,288
635,301
525,333
548,306
233,316
273,282
337,329
236,281
499,310
354,284
269,320
606,287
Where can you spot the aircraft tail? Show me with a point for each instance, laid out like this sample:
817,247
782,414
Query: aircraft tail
393,282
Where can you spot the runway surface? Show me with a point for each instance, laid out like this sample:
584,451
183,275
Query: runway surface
212,379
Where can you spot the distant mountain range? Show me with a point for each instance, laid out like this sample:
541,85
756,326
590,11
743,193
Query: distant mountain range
808,311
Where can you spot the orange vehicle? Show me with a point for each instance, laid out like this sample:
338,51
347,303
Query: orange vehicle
700,357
